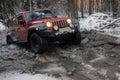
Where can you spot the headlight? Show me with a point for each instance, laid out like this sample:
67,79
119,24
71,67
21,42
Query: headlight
55,27
49,24
69,21
36,28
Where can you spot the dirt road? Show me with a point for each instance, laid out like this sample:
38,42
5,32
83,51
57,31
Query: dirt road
97,58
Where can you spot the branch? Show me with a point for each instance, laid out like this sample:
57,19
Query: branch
109,24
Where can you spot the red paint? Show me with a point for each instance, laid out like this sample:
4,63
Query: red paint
21,30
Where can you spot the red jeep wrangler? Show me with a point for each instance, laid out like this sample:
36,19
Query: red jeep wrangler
39,27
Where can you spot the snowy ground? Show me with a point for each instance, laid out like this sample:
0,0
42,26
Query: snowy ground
99,20
97,58
2,27
25,76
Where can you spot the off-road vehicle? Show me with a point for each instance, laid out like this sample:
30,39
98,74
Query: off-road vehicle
39,27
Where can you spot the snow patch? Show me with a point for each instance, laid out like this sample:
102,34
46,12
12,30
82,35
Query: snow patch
103,71
13,46
98,59
2,27
118,75
119,66
99,20
25,76
90,67
54,68
3,42
95,21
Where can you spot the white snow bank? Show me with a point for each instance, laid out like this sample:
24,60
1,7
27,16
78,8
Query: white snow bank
18,76
2,27
99,20
95,21
54,68
118,75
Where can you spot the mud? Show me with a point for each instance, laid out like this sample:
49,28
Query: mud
97,58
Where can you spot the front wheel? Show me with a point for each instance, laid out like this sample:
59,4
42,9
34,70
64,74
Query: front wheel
77,38
38,44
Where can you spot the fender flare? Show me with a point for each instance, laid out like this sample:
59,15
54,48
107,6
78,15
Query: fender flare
32,29
10,35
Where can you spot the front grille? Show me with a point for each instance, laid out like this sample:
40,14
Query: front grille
60,23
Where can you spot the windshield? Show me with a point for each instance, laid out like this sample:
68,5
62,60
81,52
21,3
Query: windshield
37,15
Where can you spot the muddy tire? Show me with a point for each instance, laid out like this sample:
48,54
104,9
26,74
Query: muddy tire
9,41
37,44
77,38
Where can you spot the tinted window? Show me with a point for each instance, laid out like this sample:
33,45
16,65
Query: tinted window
20,20
39,15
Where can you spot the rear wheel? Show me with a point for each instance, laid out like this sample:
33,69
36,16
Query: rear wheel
9,41
38,44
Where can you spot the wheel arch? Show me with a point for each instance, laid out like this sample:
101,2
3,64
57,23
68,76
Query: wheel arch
32,29
12,37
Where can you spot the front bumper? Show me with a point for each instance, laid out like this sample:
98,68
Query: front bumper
64,35
60,35
63,31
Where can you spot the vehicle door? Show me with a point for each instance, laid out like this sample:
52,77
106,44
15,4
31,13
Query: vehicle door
22,29
12,27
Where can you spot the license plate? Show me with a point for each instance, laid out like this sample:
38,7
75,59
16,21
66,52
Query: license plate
66,29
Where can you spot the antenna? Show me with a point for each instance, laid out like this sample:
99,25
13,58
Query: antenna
30,3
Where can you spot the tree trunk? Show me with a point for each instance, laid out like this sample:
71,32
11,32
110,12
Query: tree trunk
71,8
115,8
90,7
82,6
